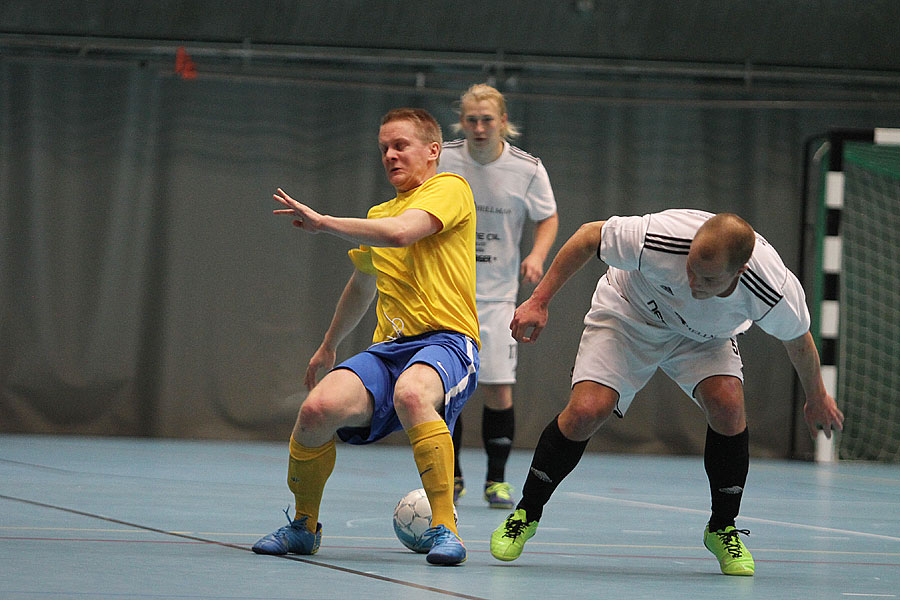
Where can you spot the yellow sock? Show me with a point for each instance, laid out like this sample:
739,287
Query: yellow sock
308,470
433,451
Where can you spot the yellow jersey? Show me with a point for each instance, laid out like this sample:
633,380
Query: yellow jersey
430,285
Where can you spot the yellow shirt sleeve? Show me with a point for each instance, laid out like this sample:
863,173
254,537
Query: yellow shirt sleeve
362,260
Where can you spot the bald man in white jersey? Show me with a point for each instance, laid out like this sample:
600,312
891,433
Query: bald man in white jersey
681,285
509,186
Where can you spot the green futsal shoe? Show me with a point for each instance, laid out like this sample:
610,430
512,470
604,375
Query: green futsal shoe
498,494
508,540
734,558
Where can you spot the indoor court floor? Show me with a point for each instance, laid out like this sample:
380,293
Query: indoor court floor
109,518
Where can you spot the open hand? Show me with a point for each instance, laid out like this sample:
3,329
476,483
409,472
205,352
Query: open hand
304,217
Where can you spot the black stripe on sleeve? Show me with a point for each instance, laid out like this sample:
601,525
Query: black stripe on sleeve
760,288
665,243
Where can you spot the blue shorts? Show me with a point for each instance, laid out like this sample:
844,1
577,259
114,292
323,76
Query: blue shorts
452,355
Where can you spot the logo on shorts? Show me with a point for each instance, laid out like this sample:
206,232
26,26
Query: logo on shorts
735,489
667,289
443,369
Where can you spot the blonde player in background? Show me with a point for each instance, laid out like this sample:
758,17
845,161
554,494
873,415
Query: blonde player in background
509,186
417,254
681,285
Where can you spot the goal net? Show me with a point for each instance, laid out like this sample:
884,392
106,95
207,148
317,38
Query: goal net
862,243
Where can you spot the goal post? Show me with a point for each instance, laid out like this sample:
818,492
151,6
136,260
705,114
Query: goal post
856,292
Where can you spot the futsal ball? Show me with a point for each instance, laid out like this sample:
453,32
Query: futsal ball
412,517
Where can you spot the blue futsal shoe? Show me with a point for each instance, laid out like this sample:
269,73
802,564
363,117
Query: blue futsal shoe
293,538
446,547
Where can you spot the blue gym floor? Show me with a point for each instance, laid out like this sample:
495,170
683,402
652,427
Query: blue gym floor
132,518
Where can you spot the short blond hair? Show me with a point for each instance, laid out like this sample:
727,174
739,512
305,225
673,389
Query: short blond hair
483,91
426,126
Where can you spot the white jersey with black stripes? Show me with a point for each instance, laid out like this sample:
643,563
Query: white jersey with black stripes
647,258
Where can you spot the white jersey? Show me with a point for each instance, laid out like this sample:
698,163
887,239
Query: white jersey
647,266
506,190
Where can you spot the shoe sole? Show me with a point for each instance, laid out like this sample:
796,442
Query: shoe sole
267,552
505,558
444,561
280,553
743,574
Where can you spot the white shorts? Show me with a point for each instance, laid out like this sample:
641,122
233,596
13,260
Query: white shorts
622,351
498,348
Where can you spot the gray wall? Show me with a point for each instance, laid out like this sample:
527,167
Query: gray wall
147,289
811,33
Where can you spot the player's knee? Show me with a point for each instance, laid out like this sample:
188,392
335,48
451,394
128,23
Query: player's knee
408,401
314,414
497,396
585,414
723,400
588,415
418,392
726,419
725,414
593,401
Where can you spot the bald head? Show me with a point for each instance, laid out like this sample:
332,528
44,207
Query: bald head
719,254
725,236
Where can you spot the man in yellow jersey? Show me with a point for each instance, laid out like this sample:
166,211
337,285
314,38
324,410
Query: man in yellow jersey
417,252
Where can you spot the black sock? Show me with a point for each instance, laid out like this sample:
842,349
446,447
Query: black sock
554,458
727,461
457,444
497,430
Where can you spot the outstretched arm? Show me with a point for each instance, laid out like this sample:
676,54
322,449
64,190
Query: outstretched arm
531,316
544,235
352,305
820,411
391,232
